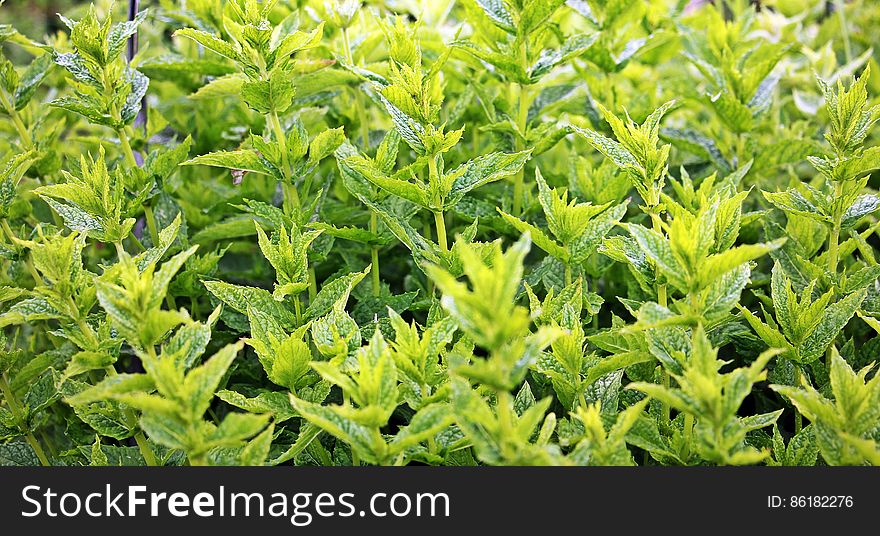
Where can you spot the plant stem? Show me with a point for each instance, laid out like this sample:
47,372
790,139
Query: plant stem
151,224
833,239
688,433
8,230
16,414
291,196
355,459
23,133
504,410
137,242
834,236
662,300
297,308
29,263
144,448
47,441
127,151
139,437
582,399
374,255
131,160
313,284
521,121
840,6
798,422
661,289
360,110
440,224
567,274
834,253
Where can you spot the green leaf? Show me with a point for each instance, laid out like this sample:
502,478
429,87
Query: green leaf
272,95
228,85
834,318
112,386
333,292
721,263
211,42
791,201
240,160
483,170
240,298
201,383
498,12
31,79
538,237
276,403
18,455
404,189
425,424
573,46
863,205
535,13
658,250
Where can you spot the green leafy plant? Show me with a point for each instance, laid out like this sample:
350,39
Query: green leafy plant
487,232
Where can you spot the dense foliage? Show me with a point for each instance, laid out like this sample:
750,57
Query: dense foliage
448,233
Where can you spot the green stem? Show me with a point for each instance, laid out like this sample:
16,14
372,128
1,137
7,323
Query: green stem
662,300
127,151
47,440
582,399
440,225
834,253
151,225
833,245
297,309
145,450
130,159
374,255
658,227
8,231
567,274
38,280
17,415
504,410
661,295
688,434
194,307
840,6
355,459
798,422
29,263
313,284
521,121
360,110
23,133
137,242
291,196
83,326
664,407
139,437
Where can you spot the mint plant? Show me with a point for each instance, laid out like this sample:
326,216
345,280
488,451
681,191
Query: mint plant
249,232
